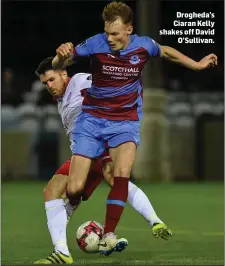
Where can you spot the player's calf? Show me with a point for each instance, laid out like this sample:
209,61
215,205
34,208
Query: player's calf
56,213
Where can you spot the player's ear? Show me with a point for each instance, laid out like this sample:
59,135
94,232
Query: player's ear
129,29
64,74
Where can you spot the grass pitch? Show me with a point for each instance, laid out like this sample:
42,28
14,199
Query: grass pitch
194,212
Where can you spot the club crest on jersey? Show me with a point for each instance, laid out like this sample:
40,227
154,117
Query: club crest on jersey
134,59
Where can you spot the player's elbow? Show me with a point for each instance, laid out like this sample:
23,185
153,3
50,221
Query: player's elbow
165,52
162,51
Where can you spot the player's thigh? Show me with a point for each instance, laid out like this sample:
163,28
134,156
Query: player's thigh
79,168
104,167
124,157
55,187
94,178
124,137
86,136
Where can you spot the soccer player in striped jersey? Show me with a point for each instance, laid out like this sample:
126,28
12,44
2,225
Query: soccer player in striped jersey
69,93
112,107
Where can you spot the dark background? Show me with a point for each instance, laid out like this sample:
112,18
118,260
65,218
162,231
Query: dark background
32,30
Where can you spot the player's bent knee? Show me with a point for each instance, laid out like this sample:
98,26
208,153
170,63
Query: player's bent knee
75,189
50,194
55,187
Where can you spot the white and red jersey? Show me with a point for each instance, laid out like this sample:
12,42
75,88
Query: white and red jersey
70,104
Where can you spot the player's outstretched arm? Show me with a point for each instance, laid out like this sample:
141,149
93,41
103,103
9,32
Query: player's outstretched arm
179,58
64,56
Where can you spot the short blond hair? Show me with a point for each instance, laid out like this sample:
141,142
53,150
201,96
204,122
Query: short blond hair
116,9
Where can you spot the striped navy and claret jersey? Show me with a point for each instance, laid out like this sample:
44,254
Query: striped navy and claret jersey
116,90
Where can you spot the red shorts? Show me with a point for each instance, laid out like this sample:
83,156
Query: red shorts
95,175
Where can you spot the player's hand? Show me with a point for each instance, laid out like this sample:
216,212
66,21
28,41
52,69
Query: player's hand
65,51
208,61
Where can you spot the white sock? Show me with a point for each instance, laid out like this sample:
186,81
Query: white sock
56,217
140,202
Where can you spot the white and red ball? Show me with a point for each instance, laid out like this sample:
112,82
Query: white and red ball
89,235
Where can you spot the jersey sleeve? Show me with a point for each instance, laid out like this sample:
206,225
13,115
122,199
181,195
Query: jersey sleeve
86,48
152,47
81,82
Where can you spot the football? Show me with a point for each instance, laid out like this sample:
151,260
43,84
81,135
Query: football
88,236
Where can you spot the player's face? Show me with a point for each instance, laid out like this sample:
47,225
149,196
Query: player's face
55,81
118,34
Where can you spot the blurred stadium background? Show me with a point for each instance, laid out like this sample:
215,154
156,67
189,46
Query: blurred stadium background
182,135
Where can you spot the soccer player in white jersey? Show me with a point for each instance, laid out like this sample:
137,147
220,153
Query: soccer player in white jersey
68,93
